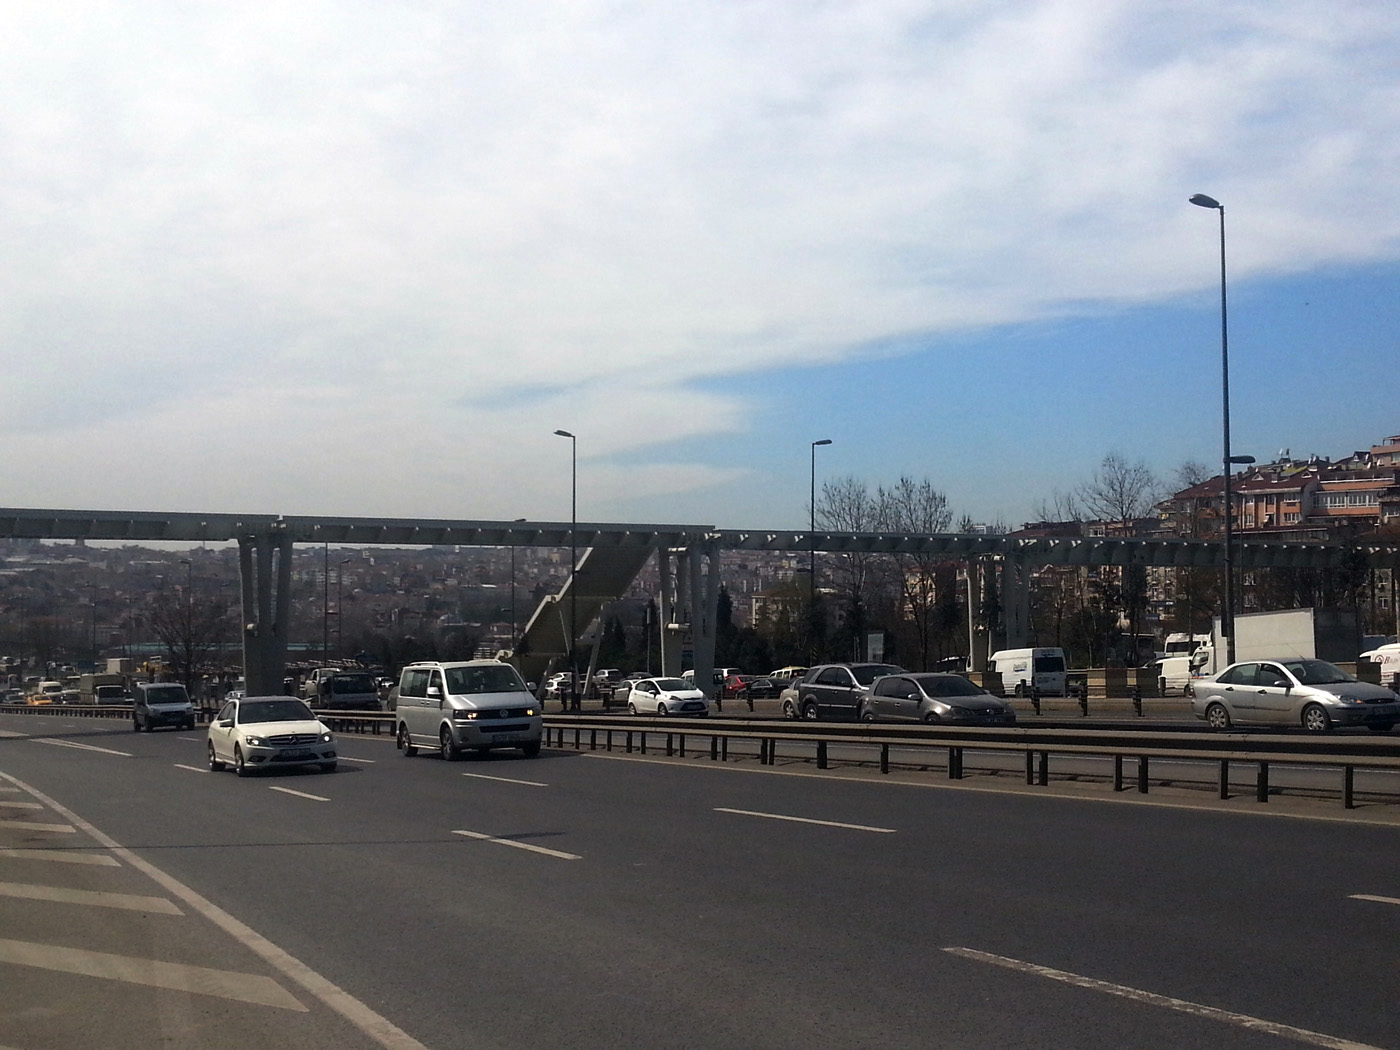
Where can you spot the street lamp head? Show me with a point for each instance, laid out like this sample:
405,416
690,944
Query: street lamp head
1202,201
823,441
563,433
1241,459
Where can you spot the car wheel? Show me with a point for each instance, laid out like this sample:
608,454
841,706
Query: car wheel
1020,689
406,748
531,750
931,718
789,711
215,766
1186,690
239,766
809,711
866,714
1315,719
1217,717
631,709
446,747
660,710
327,767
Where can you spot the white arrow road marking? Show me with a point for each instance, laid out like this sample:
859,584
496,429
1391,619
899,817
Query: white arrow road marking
1286,1031
519,845
201,980
805,820
92,898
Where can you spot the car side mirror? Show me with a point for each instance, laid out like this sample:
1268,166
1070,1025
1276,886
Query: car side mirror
226,723
434,693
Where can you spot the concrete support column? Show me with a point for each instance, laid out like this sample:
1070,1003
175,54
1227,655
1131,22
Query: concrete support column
266,610
1016,602
705,612
670,634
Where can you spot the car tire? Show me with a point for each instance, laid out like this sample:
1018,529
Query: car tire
866,714
215,766
931,719
631,709
789,711
810,712
239,766
660,710
328,767
405,747
531,750
1217,717
1316,719
446,748
1020,690
1186,690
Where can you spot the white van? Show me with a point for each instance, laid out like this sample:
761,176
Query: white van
473,705
1020,669
1173,675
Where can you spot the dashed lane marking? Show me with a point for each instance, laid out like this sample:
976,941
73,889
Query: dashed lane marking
1373,897
83,747
30,825
62,856
560,854
201,980
361,761
806,820
298,794
192,769
507,780
1285,1031
91,898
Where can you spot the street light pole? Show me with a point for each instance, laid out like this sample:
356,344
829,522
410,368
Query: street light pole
573,569
513,621
812,548
1227,621
340,610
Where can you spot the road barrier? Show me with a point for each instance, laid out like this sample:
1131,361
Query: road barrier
1345,754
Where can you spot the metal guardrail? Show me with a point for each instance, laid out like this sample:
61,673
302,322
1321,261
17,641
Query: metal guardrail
1346,754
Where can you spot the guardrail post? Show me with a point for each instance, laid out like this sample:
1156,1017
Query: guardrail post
714,748
593,740
884,758
724,749
719,701
1224,778
1142,774
644,741
1035,699
1084,701
772,751
1117,772
821,754
670,747
1030,766
609,740
1044,775
1261,790
629,741
749,698
578,737
1137,700
682,745
1348,782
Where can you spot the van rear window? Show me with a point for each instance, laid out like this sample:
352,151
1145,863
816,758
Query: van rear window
1049,664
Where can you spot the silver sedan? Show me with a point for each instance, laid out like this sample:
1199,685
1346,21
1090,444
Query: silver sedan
1312,694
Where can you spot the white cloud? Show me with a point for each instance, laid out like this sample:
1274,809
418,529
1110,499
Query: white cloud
290,229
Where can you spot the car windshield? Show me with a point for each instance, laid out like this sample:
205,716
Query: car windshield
170,694
274,711
954,685
672,684
1317,672
492,678
352,683
869,672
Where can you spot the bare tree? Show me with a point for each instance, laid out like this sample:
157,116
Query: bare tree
916,507
847,505
190,629
1190,474
1061,506
1119,490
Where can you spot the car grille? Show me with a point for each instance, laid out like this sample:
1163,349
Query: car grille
509,727
692,705
293,739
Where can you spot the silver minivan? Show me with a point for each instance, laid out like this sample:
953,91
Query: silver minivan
473,705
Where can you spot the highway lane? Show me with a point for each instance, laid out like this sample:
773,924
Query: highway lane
688,920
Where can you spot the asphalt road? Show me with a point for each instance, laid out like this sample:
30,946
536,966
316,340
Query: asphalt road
595,901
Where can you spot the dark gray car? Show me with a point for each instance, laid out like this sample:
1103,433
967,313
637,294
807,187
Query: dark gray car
949,699
836,691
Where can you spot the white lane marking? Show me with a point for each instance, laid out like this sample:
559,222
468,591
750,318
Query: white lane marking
92,898
507,780
1373,897
336,998
192,739
62,856
519,845
84,747
362,761
9,734
201,980
192,769
1257,1024
298,794
29,825
10,789
805,820
20,805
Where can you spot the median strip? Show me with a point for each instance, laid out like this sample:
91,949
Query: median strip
519,845
806,820
1285,1031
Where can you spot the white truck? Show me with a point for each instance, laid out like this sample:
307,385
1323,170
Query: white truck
1314,634
1388,657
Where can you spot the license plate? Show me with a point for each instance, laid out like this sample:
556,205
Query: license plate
299,752
508,736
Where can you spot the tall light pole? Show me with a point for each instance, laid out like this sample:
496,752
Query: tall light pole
812,549
1227,621
325,602
573,568
340,610
512,589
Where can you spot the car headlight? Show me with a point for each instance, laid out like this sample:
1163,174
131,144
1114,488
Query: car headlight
466,715
326,738
253,741
1350,700
529,712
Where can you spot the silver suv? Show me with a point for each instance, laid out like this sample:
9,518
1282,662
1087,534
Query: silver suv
473,705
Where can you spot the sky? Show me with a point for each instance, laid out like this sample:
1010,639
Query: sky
364,259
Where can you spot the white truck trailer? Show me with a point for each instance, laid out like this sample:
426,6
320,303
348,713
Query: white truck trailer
1314,634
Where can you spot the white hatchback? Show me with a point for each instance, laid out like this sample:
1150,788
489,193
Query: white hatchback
269,732
667,696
